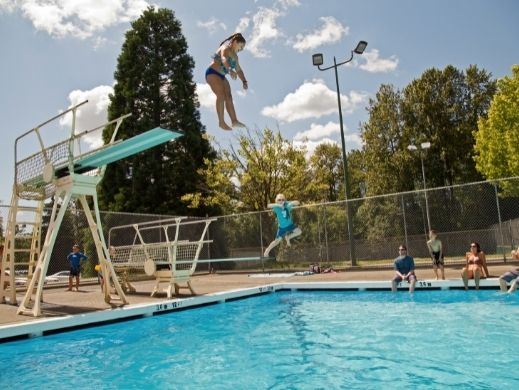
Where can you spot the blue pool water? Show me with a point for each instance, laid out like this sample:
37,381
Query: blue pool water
296,340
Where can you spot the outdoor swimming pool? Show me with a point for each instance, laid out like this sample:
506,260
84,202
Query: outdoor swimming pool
303,340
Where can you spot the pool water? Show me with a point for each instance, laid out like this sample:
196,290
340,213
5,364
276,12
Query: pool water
296,340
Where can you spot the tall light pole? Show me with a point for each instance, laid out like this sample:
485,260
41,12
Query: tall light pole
318,60
423,146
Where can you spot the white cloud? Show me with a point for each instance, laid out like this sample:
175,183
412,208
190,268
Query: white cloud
264,26
374,64
241,93
91,114
331,31
264,29
243,24
317,131
212,25
77,18
313,99
285,4
7,5
310,146
353,142
206,96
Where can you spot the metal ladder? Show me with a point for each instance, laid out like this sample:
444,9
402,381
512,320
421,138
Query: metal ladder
18,255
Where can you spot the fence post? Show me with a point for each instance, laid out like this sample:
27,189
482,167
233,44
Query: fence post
326,235
405,223
261,242
499,219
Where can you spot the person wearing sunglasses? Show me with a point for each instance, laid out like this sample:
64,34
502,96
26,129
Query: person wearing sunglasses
404,269
286,227
475,267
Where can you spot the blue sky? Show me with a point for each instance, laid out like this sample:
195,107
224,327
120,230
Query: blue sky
57,52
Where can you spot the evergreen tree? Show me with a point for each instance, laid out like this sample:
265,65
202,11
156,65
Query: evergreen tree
154,82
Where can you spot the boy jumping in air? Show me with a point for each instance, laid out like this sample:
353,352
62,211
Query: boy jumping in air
286,227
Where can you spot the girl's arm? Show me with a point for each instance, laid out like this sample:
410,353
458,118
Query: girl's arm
239,72
271,205
294,202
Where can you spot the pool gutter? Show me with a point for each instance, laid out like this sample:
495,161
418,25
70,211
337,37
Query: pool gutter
43,326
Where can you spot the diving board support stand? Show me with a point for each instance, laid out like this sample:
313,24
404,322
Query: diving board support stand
62,171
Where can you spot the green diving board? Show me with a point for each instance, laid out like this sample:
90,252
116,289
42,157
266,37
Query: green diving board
121,150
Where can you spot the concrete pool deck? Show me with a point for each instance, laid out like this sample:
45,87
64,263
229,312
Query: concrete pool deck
62,309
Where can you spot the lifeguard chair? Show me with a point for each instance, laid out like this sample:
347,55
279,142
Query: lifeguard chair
62,170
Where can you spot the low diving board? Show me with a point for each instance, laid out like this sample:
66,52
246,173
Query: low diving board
120,150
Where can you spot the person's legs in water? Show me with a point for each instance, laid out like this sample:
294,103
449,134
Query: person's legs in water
229,105
477,275
217,84
503,285
412,282
465,275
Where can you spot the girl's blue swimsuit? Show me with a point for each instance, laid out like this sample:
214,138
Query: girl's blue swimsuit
223,69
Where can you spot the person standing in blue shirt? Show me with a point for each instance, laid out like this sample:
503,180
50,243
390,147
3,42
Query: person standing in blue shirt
404,269
75,258
286,227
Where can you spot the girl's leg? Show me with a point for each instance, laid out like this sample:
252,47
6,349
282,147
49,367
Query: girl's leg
442,269
476,278
464,276
218,87
229,105
272,245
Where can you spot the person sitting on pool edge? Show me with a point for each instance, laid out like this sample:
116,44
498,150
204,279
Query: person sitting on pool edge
510,276
404,269
476,266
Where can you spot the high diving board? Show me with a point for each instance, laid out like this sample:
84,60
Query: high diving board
120,150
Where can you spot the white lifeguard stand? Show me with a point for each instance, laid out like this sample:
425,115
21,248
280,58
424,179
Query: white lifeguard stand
166,249
63,171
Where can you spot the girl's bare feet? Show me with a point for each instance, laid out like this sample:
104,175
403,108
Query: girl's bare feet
224,126
238,124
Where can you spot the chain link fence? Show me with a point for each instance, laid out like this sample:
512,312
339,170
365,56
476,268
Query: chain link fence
481,212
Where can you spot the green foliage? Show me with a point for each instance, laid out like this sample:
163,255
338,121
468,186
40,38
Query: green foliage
154,82
384,216
327,171
497,138
385,152
442,107
267,164
219,190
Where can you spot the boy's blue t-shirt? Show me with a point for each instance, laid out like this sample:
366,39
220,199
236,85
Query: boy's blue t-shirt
75,259
404,264
284,214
